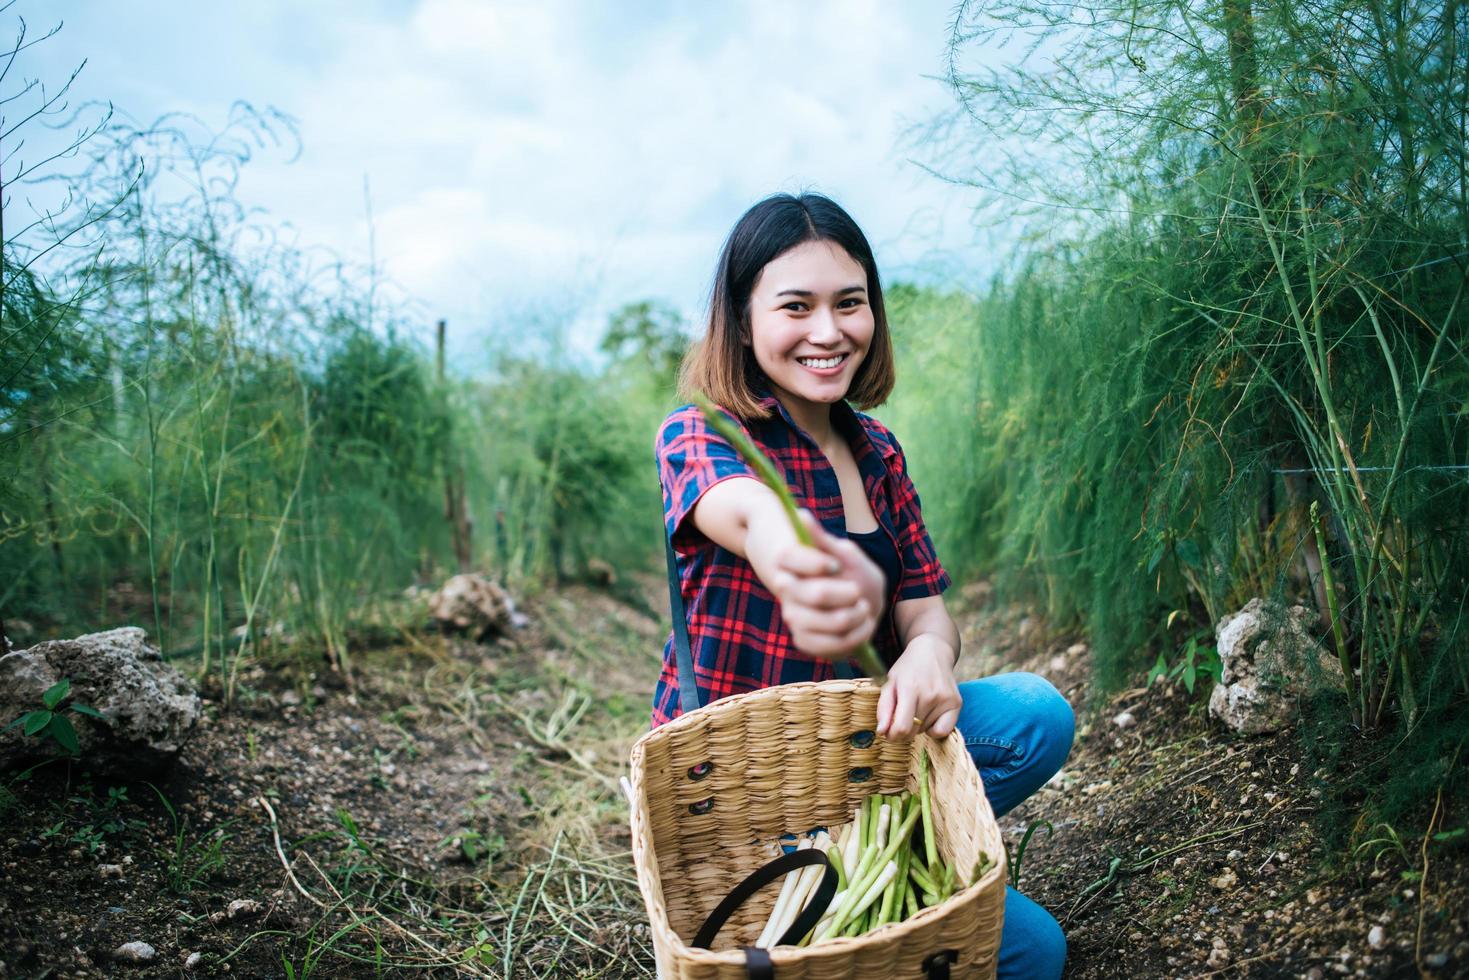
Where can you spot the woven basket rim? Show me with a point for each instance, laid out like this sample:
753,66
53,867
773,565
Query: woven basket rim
699,716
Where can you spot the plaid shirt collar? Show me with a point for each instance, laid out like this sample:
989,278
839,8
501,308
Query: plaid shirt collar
843,417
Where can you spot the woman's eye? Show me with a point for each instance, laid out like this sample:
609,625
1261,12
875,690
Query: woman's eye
794,306
850,302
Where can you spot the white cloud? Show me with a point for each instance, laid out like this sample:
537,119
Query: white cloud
511,146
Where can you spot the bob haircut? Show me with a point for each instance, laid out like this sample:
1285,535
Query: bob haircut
721,364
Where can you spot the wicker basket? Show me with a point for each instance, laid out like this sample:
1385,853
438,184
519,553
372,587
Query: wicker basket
784,760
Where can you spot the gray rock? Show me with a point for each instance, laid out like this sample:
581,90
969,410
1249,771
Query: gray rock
244,908
1269,658
134,952
476,606
151,708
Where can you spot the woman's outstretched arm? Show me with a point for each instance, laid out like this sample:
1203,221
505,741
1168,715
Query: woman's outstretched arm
831,595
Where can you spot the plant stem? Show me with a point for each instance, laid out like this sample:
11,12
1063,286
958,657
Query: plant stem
930,846
1341,643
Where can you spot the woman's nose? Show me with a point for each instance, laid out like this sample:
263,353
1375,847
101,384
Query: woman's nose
822,327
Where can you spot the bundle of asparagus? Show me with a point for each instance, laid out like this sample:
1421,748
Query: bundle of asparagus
884,874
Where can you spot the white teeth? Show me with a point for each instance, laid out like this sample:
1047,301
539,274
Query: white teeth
821,362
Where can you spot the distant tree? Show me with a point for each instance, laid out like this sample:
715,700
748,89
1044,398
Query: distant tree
649,333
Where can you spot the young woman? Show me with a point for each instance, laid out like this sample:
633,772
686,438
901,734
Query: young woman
796,331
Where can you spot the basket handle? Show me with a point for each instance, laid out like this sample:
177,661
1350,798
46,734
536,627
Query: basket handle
758,965
757,880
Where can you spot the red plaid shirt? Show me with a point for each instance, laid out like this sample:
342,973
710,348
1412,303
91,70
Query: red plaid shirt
736,635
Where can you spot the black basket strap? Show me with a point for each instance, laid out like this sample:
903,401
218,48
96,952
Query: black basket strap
688,691
758,965
763,876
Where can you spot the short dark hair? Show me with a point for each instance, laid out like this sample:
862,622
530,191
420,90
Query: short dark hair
720,364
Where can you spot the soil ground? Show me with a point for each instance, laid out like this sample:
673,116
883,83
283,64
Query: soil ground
454,812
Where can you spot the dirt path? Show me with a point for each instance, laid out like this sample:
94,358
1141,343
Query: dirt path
456,815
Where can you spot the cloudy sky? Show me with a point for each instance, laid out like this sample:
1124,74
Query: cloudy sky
561,155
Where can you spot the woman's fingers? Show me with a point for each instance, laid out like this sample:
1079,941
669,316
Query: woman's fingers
821,593
945,723
836,622
901,726
829,646
806,561
886,698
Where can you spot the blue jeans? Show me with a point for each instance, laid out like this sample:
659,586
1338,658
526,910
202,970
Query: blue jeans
1018,729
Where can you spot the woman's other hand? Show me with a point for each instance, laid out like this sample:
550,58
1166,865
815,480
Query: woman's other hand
831,595
920,693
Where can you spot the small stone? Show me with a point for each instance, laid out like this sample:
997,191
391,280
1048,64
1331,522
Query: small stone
244,908
1218,955
1076,650
1226,881
134,952
217,918
1058,664
1313,896
1436,961
1234,855
192,961
1375,937
1124,720
1315,973
109,871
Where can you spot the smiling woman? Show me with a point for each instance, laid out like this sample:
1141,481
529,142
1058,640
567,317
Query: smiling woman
797,335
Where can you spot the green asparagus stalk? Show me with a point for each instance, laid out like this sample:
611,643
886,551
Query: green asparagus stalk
930,846
762,465
862,884
920,877
834,855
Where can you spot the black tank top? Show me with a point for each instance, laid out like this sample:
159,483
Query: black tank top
879,548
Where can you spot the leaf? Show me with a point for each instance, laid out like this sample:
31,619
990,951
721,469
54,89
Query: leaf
1171,617
1190,673
56,693
1160,669
90,712
35,721
1157,556
65,735
1188,553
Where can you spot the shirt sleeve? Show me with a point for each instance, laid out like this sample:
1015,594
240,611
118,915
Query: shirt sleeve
691,458
923,575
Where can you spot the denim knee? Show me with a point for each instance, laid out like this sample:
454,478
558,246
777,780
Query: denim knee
1032,945
1018,729
1051,717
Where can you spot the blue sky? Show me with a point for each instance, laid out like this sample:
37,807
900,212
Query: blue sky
560,156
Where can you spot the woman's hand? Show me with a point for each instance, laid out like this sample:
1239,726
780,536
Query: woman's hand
831,595
920,686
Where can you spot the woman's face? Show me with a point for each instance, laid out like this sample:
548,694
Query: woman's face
810,323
